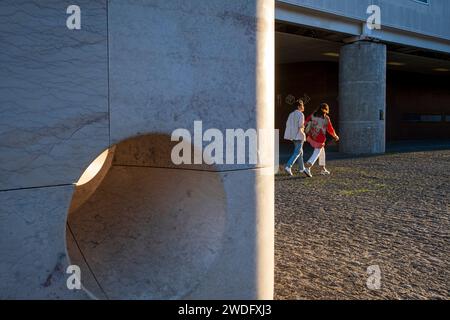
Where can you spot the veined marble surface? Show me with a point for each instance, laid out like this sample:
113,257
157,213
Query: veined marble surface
32,244
194,234
53,92
183,61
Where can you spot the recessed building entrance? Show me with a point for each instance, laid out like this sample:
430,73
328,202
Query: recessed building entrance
417,95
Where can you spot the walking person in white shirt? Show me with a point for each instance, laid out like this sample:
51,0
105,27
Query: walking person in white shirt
295,127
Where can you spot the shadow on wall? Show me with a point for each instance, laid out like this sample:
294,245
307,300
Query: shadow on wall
143,228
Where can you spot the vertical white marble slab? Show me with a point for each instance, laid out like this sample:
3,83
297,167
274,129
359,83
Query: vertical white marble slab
244,269
173,62
32,244
53,91
170,63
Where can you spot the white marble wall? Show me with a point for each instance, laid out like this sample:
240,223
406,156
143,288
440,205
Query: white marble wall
32,244
53,92
185,61
211,61
54,121
135,68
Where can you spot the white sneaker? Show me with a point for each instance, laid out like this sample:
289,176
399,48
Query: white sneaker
289,171
307,172
325,172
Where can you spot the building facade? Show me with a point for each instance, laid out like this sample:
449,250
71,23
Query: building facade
386,83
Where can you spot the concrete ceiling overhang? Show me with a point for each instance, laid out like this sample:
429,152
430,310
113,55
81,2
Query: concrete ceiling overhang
292,48
309,16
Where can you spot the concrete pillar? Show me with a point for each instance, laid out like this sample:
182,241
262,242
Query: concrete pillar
362,98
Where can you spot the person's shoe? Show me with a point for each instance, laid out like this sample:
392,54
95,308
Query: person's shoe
307,171
325,172
289,171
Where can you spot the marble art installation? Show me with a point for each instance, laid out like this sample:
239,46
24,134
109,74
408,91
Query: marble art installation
142,228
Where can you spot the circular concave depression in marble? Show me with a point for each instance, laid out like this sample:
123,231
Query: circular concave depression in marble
141,231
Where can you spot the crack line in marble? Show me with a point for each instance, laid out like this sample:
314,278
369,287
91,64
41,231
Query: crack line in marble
38,187
85,260
188,169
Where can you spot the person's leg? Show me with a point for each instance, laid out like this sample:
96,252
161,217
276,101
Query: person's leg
311,162
294,157
322,157
322,160
296,154
313,157
301,164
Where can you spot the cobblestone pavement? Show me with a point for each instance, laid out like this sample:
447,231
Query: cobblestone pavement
392,211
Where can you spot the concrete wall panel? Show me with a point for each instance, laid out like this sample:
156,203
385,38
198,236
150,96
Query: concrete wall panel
408,15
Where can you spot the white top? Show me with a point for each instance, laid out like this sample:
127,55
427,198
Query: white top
295,126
